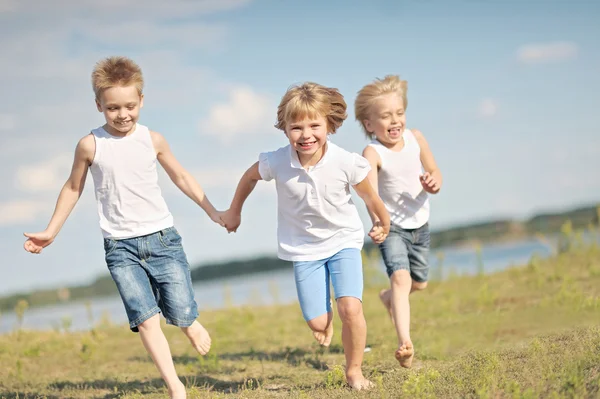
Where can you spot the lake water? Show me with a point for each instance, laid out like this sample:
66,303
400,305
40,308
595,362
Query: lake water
267,288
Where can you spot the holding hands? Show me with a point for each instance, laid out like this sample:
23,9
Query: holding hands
379,232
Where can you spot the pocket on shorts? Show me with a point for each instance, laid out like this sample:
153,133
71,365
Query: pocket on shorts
109,246
423,236
170,238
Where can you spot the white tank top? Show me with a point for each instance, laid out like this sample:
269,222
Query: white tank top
130,202
399,185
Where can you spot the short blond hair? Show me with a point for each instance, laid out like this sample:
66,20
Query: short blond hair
312,100
371,92
116,71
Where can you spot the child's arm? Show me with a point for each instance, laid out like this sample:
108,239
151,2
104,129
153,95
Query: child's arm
182,178
381,217
431,180
374,159
68,197
233,216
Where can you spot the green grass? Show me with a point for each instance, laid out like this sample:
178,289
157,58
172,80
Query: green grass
527,332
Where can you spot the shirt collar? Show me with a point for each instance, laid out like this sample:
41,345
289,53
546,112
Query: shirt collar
295,161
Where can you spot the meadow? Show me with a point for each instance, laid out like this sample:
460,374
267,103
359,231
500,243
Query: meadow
527,332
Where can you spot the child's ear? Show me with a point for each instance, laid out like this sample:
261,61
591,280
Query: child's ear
141,100
367,124
98,105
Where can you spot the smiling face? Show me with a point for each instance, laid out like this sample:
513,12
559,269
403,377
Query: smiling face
121,108
308,136
387,119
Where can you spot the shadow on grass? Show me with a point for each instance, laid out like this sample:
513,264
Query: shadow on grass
118,388
294,357
26,395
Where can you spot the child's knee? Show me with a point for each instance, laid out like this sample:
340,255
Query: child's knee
419,286
401,279
151,323
320,323
350,309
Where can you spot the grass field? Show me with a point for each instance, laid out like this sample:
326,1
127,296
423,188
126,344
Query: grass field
528,332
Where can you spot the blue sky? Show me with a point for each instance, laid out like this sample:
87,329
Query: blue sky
505,92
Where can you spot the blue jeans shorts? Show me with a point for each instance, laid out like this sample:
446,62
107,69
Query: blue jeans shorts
312,281
152,275
407,249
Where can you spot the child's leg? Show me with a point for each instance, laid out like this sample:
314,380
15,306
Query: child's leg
157,346
345,268
170,272
401,283
312,286
395,254
124,261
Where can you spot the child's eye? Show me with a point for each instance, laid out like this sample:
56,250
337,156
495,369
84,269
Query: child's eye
130,108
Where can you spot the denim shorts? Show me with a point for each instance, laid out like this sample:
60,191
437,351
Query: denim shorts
152,275
407,249
312,281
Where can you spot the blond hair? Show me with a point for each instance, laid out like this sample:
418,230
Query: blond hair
116,71
371,92
312,100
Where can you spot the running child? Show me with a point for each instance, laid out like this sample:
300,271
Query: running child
143,250
319,228
403,171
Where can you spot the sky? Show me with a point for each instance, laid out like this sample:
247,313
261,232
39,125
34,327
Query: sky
505,92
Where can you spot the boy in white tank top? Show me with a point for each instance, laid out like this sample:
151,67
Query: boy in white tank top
397,157
143,250
318,226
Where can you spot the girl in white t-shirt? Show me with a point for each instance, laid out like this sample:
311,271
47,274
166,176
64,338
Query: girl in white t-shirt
319,228
397,157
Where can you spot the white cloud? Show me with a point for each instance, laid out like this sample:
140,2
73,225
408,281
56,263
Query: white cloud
49,175
7,122
547,52
488,108
245,112
19,212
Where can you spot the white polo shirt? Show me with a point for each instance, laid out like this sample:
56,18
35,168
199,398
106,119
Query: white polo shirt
316,216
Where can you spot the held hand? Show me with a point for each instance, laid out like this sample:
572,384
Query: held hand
37,241
379,232
217,218
231,220
429,183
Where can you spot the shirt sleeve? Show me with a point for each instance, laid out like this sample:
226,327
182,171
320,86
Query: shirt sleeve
360,168
264,167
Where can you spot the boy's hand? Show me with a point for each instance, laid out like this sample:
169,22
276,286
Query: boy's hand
37,241
379,232
429,183
216,217
232,220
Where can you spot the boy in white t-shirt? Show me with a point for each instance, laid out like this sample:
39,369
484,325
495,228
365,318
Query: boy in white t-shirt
319,228
143,249
397,157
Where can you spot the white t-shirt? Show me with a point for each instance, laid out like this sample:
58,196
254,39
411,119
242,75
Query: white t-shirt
316,216
130,202
399,185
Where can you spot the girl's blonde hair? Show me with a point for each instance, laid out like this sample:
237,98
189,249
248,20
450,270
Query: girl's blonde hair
312,100
371,92
116,71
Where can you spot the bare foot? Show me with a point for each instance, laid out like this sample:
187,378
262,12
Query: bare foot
386,298
324,338
177,392
199,337
405,354
359,382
